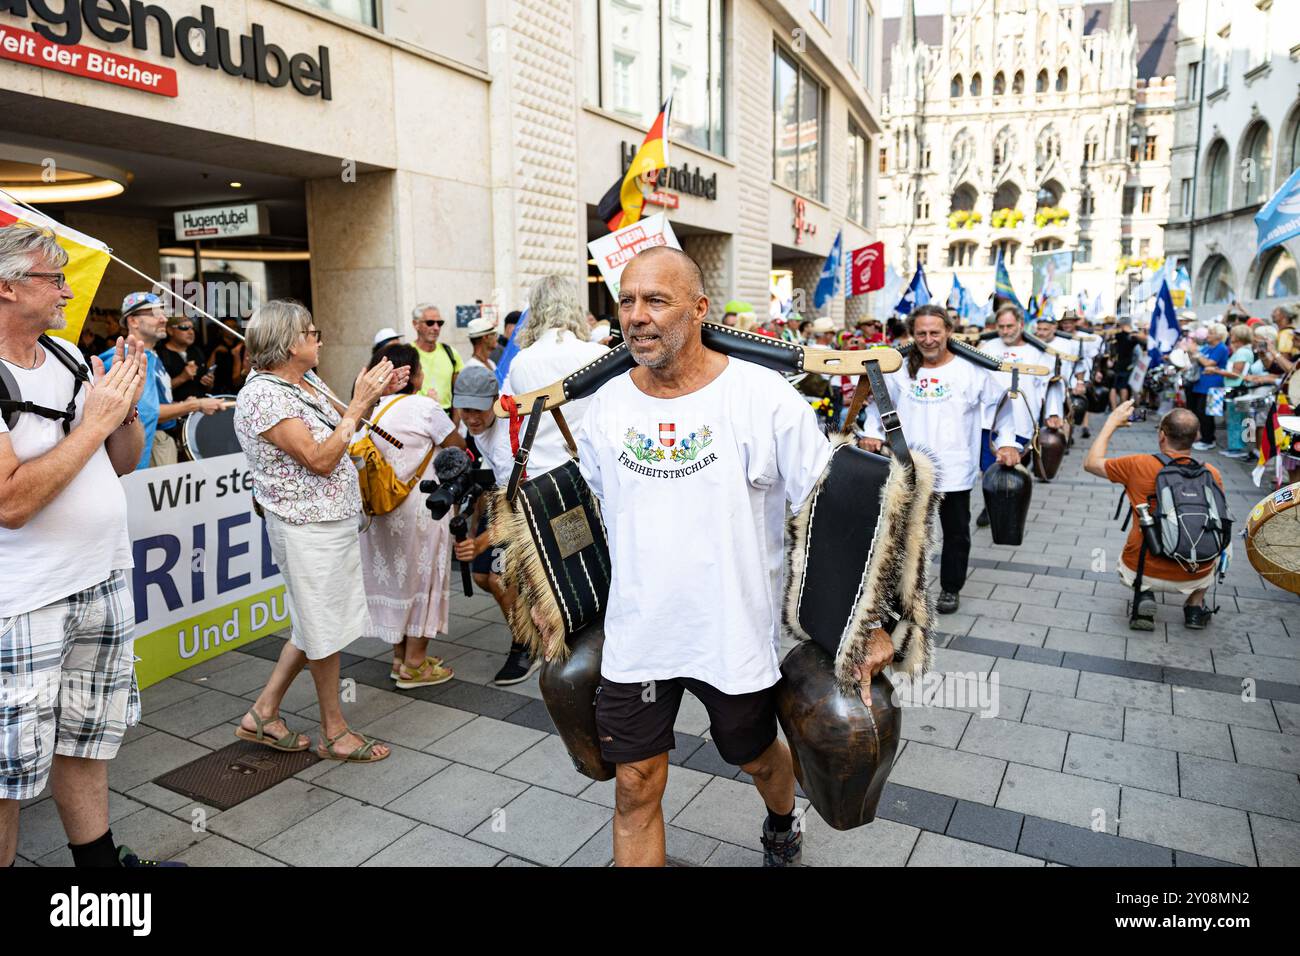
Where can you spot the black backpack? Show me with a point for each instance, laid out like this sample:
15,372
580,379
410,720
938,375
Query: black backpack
12,404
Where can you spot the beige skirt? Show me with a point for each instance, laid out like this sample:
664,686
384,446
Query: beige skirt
324,591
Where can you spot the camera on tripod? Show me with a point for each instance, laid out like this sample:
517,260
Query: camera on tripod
457,484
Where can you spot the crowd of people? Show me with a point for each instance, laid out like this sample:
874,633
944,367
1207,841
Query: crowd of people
362,556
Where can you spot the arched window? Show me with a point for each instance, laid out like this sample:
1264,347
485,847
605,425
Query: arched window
1216,175
955,91
976,85
962,254
1048,245
1040,84
1217,289
962,152
1259,153
1050,193
1004,147
963,198
1048,148
1062,80
1007,196
1008,248
1278,277
999,84
1087,203
1293,161
1090,144
1018,82
922,206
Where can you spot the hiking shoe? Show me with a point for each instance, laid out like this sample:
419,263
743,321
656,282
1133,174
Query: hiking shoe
518,667
1086,432
1197,617
125,857
948,602
1202,445
982,519
782,849
1144,615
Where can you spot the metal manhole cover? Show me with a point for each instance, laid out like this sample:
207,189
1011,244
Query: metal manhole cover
231,775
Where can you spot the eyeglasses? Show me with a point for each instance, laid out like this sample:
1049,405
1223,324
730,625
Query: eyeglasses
60,280
430,323
183,328
314,333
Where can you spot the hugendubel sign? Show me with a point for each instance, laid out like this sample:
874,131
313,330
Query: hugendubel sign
198,40
220,222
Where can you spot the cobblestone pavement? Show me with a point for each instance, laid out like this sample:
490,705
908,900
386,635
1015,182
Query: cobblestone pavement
1109,746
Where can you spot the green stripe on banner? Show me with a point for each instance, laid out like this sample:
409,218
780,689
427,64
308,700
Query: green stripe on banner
200,638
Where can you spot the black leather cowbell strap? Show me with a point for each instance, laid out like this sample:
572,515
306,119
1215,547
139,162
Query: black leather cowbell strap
525,446
762,350
889,420
962,350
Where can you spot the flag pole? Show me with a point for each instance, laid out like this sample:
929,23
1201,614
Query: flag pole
161,286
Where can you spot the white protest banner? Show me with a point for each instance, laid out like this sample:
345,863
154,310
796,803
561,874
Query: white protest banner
204,580
613,252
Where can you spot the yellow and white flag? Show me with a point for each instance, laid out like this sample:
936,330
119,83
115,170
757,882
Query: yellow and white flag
87,260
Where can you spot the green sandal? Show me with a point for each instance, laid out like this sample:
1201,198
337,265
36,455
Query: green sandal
288,743
363,754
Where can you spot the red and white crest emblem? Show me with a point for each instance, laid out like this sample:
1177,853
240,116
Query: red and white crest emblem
667,434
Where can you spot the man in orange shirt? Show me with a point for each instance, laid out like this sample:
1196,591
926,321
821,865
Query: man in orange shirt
1137,473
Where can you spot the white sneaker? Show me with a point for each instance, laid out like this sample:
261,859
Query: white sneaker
1202,445
1238,455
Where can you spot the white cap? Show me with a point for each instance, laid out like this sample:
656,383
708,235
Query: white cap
386,335
480,327
823,324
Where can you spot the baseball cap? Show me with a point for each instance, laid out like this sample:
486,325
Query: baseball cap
476,388
136,301
386,335
480,327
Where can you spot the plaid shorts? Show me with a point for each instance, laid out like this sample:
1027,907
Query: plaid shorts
67,684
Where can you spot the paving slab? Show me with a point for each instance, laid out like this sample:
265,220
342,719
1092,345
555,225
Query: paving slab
934,849
879,843
345,833
1225,708
1118,762
381,783
1271,792
271,812
193,715
458,798
977,823
1276,841
727,810
1218,832
485,743
1184,734
547,764
542,826
1077,846
1014,741
217,851
40,830
966,776
417,724
152,756
428,846
1125,692
1262,748
1030,676
1073,714
1065,798
934,725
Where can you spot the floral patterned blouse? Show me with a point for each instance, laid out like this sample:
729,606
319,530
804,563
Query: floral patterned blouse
281,486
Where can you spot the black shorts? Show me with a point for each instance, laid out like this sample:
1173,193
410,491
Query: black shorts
491,561
635,721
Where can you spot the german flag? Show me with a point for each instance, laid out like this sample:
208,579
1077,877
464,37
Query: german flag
622,204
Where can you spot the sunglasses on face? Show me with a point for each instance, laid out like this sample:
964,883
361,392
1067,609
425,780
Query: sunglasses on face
183,328
430,323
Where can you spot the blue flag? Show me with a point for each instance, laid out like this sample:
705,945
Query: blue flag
918,293
1002,282
1279,220
828,286
511,350
1163,333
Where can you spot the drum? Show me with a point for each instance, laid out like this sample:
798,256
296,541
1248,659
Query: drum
209,436
1254,396
1273,538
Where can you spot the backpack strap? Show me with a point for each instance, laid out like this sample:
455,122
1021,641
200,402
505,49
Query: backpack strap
11,403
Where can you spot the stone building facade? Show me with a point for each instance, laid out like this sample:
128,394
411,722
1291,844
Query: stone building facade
462,148
1027,126
1237,140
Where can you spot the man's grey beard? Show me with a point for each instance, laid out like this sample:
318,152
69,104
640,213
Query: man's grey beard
672,340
